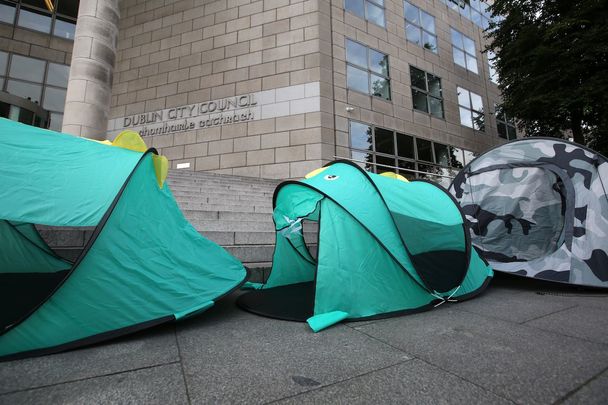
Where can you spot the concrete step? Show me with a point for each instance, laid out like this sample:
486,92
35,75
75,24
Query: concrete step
190,207
225,238
200,205
206,188
203,197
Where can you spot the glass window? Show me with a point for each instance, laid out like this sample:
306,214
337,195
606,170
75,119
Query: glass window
492,67
54,99
505,124
34,20
456,157
367,70
29,91
427,95
471,109
68,8
468,156
26,68
64,28
58,75
442,154
463,49
405,146
370,10
420,27
425,151
56,121
407,169
7,13
385,164
360,136
384,141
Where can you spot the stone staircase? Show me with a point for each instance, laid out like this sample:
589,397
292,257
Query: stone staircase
235,212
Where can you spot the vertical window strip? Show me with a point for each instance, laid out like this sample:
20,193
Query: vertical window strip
420,27
464,51
367,70
470,107
427,93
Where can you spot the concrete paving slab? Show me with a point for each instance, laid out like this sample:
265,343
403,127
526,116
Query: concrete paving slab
148,348
411,382
233,356
514,305
584,322
154,385
524,364
595,392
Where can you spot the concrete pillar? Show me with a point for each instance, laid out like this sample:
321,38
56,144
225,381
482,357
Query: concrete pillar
87,102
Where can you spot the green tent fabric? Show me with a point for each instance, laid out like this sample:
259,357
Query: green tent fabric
144,264
386,247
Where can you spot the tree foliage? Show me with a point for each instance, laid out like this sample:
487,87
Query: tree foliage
552,62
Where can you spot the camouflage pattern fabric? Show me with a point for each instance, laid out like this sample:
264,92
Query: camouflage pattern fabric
538,207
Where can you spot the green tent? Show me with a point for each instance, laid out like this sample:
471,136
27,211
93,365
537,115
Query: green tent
385,247
144,264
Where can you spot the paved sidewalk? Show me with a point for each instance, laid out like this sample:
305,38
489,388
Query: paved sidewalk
512,344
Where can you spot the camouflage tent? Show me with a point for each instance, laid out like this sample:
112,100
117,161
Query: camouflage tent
538,208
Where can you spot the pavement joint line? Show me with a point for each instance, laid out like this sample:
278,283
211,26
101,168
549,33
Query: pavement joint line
88,378
339,382
379,340
577,389
181,364
552,313
439,367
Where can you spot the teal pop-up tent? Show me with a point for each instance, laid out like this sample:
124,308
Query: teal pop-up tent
386,247
144,264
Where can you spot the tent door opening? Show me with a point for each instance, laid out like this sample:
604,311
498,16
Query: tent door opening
520,211
291,302
29,272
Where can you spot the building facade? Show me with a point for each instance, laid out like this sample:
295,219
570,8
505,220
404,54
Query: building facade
277,88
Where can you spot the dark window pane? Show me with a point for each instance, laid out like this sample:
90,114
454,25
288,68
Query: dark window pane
4,109
54,99
58,75
418,78
406,169
34,20
378,62
412,33
502,130
7,13
360,136
436,107
405,146
26,68
442,154
68,7
512,132
381,87
64,29
356,53
419,100
26,90
357,79
355,7
382,162
411,13
424,150
35,3
25,116
375,14
429,170
434,86
384,141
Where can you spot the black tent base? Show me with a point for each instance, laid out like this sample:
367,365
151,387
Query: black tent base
294,302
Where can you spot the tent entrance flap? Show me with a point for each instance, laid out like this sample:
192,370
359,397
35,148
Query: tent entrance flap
521,216
293,302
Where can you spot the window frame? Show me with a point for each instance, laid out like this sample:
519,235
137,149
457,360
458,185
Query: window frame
464,51
364,16
19,6
427,93
470,109
420,28
368,70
